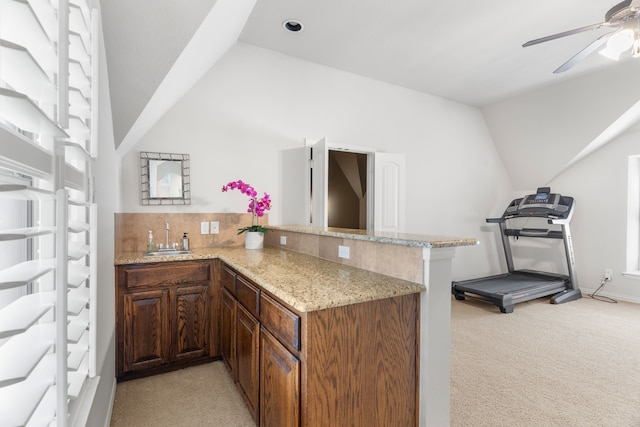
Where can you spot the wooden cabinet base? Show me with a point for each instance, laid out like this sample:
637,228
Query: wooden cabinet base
354,365
360,364
166,318
163,369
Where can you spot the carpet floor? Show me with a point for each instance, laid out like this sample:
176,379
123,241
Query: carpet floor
199,396
574,364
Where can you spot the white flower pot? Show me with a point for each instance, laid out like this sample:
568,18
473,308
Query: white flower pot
254,240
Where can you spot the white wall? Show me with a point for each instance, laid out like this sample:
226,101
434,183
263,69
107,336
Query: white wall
254,103
599,226
539,132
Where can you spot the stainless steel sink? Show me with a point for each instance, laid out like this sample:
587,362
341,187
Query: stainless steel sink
168,252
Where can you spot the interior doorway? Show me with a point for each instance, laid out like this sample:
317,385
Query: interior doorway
367,187
347,189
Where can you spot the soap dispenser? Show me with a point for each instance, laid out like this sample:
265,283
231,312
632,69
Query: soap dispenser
185,242
151,245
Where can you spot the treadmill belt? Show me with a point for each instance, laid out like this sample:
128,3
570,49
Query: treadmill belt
513,283
504,290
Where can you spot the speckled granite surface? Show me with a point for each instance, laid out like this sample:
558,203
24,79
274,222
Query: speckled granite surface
304,282
404,239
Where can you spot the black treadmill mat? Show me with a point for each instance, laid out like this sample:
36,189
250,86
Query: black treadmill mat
510,283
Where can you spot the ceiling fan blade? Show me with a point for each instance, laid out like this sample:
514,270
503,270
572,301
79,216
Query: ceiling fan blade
566,33
595,45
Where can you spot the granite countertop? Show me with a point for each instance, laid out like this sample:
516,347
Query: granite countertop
403,239
304,282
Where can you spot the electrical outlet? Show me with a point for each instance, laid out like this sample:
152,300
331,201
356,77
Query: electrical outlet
343,252
283,240
204,227
215,227
608,274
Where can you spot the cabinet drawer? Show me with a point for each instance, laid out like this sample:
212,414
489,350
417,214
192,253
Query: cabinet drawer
171,273
248,295
281,322
228,279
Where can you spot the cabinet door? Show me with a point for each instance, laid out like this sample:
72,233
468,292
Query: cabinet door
189,322
280,384
228,331
146,330
247,358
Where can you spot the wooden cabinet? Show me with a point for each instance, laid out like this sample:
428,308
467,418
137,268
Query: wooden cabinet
145,328
165,316
247,358
354,365
240,335
266,371
190,319
279,384
228,330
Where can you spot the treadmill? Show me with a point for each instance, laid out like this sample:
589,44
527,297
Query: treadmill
505,290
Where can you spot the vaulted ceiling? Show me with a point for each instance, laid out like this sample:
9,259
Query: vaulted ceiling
468,51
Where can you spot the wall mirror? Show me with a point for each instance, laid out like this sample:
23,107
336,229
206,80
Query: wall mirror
164,179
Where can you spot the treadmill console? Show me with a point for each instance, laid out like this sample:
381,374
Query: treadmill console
543,204
540,200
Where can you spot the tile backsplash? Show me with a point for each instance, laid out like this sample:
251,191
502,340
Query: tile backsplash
132,229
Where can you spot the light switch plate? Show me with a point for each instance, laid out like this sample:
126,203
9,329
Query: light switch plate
204,227
215,227
283,240
343,252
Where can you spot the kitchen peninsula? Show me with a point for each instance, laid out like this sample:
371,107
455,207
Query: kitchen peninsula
413,291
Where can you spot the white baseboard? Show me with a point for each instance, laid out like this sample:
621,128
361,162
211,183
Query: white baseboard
626,298
107,420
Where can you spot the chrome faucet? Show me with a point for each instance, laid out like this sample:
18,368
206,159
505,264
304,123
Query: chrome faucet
167,246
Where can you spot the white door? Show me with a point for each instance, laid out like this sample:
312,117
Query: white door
389,192
295,178
385,204
319,188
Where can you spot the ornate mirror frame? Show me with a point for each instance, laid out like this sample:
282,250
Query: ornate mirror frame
172,188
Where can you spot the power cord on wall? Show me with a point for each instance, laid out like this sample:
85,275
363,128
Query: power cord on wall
602,297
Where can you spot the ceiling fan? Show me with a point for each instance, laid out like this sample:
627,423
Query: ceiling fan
624,17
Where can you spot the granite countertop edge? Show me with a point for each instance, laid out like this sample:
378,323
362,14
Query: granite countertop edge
403,239
304,282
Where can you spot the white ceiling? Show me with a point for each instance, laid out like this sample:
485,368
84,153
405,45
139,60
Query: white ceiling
467,50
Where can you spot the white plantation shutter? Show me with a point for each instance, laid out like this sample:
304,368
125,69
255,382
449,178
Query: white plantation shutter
47,214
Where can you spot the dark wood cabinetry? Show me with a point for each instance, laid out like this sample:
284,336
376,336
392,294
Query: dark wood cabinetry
279,384
348,365
243,340
145,329
190,317
240,335
228,330
247,358
165,316
352,365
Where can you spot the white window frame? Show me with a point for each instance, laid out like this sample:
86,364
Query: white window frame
633,219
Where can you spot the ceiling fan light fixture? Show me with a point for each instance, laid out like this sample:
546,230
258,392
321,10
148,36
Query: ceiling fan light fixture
618,43
610,53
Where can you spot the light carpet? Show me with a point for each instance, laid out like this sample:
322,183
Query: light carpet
574,364
202,395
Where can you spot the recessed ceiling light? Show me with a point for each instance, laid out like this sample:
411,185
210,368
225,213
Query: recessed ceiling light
292,25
